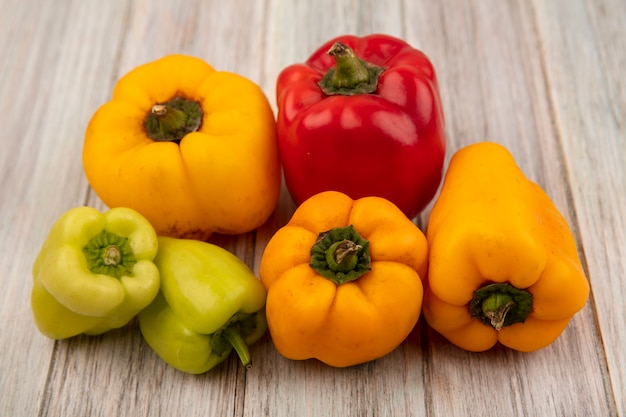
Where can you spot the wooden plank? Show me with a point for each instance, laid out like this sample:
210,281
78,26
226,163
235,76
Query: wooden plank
117,374
543,78
48,82
493,88
392,385
226,35
585,52
119,364
295,29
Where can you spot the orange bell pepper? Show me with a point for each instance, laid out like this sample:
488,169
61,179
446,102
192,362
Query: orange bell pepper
503,263
191,148
343,280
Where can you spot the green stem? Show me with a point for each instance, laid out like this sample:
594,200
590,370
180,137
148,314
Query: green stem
340,255
234,337
109,254
172,120
351,75
500,305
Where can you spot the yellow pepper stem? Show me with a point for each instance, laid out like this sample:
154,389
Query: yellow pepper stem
340,255
500,305
172,120
351,76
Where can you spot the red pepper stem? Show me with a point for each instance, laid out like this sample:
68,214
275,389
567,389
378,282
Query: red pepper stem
351,75
234,337
350,70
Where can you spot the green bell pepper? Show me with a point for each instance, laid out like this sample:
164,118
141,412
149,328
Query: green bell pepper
94,272
209,303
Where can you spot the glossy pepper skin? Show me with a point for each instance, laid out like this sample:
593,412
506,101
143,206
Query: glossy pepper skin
382,137
210,302
191,148
94,272
501,257
343,280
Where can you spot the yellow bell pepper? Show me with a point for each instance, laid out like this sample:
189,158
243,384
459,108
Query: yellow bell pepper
94,272
503,263
343,279
191,148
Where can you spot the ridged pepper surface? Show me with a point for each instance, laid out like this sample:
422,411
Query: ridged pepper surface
210,303
94,272
362,116
191,148
343,280
503,263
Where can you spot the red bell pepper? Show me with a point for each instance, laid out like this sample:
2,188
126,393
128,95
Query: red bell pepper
362,116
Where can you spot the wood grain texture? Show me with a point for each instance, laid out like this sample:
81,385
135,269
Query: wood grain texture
53,71
585,54
543,78
494,91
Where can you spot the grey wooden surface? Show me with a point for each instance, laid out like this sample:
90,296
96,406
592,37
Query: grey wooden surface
545,78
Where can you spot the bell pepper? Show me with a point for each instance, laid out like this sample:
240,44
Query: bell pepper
94,272
209,303
344,279
191,148
503,263
362,116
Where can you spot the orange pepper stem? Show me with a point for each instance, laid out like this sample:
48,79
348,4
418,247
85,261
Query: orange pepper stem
351,75
172,120
341,255
500,305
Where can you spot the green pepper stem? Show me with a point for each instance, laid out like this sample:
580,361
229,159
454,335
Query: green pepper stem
351,75
112,255
500,305
350,70
341,255
495,308
109,254
172,120
234,337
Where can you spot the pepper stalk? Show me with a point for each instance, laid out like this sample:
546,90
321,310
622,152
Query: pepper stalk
500,305
341,255
233,335
351,76
109,254
172,120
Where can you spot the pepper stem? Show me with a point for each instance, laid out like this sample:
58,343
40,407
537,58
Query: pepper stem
172,120
500,305
109,254
341,255
234,337
351,75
